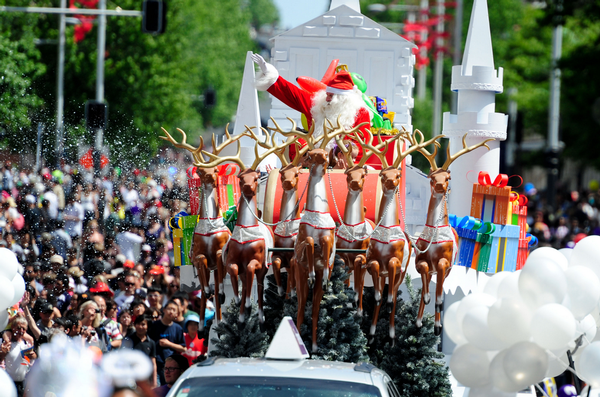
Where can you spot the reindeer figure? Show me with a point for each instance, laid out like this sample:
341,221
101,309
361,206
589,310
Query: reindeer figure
437,245
246,252
210,234
389,248
315,245
355,230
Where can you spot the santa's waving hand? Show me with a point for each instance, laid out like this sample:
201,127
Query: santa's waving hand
341,99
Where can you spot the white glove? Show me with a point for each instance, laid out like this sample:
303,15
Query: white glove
260,61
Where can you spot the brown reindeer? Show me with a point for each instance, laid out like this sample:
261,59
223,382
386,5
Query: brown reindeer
210,234
437,245
389,248
246,252
314,248
355,230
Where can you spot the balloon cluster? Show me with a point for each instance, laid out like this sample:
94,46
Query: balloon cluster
12,285
518,330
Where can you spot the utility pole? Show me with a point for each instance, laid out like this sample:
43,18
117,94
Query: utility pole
422,72
60,85
553,144
101,50
457,50
438,71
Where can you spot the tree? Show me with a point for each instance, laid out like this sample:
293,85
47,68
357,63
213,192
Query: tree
237,339
339,337
413,362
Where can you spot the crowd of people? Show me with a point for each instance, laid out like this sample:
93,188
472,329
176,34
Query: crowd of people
97,260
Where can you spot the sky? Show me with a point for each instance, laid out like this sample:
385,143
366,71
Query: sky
294,12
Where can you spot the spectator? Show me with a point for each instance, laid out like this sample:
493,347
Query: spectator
110,327
17,353
73,216
195,347
174,367
168,336
129,242
89,314
139,340
125,323
154,298
125,297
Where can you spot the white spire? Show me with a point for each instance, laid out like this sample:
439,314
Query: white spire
354,4
248,112
478,48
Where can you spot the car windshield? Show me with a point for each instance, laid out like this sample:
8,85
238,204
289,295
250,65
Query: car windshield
240,386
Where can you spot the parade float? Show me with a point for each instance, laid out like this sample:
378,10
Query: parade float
522,315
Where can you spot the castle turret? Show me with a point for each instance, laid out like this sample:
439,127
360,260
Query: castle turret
477,83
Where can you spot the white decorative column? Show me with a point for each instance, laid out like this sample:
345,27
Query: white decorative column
477,83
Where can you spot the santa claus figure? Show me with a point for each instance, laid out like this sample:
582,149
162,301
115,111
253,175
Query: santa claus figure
340,99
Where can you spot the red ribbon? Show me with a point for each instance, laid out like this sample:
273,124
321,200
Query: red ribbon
228,169
485,179
523,200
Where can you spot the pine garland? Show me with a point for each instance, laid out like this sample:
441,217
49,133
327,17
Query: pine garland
240,339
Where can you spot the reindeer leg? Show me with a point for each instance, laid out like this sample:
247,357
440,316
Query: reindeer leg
302,291
423,269
233,271
202,313
327,246
277,273
316,306
394,288
247,280
291,280
220,275
260,284
359,281
309,254
444,267
348,268
373,268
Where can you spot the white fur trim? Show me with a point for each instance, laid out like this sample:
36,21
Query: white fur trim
265,80
338,91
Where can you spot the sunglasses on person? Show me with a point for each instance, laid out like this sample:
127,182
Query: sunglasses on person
169,369
129,284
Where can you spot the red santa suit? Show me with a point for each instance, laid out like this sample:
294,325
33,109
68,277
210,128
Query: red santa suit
308,103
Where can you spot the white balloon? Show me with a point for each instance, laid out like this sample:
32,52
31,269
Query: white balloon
472,300
553,326
3,319
19,287
451,326
583,291
7,386
557,363
509,319
476,331
587,253
491,288
470,365
509,286
8,263
567,252
525,364
7,293
588,328
499,378
549,254
542,281
588,364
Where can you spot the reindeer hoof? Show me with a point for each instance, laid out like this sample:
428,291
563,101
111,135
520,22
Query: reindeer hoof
439,307
371,339
359,312
280,291
222,298
427,299
437,330
419,323
311,283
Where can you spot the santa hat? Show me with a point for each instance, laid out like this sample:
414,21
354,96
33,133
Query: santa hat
341,84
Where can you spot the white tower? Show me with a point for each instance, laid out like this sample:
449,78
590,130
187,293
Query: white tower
477,83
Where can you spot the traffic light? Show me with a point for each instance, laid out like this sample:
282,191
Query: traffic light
96,115
154,19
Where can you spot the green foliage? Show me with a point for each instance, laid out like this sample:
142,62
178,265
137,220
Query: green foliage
262,12
239,339
413,362
339,337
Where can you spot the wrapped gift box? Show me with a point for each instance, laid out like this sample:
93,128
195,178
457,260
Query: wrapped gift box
473,242
519,214
228,190
524,245
490,200
504,249
466,245
481,252
194,185
182,232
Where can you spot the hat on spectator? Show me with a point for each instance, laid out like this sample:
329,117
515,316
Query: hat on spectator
30,199
46,308
100,288
191,317
75,271
129,264
120,259
57,259
156,270
146,247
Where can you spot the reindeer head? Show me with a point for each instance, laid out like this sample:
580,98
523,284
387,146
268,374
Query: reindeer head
208,176
390,178
248,182
438,180
355,177
289,177
317,157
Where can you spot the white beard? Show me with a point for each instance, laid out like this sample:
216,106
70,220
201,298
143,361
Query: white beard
345,107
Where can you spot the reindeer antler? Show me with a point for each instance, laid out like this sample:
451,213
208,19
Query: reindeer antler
346,150
294,134
418,143
380,150
330,132
196,152
269,144
466,149
214,156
